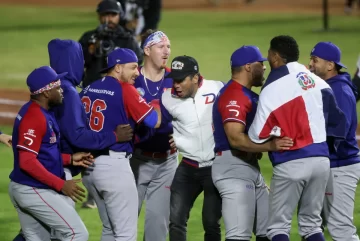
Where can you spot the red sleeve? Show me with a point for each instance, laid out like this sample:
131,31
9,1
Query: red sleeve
135,105
31,132
31,165
234,106
66,159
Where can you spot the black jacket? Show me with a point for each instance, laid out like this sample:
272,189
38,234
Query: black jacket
93,63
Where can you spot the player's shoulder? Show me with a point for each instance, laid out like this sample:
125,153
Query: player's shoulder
31,112
167,94
214,85
234,91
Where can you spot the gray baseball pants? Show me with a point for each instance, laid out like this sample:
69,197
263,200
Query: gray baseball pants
298,182
111,182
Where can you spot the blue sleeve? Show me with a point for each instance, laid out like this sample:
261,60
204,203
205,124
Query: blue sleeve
72,121
346,104
166,117
0,132
335,120
151,119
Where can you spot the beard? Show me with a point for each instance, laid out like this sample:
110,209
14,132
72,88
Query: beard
54,103
258,78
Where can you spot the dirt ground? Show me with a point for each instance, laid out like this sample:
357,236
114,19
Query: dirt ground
11,100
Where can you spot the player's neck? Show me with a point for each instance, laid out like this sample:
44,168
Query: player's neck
243,81
330,75
41,103
151,72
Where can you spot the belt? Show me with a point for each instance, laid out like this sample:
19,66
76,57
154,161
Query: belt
105,152
197,164
157,154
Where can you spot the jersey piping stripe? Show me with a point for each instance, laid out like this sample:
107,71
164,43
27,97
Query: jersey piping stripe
72,230
25,148
142,117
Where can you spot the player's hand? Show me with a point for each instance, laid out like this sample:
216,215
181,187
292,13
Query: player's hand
281,144
6,139
124,133
72,190
82,159
172,143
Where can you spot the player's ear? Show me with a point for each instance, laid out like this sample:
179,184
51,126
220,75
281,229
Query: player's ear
47,94
118,68
195,79
247,67
330,65
147,51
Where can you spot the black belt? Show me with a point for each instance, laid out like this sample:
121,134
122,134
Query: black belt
106,152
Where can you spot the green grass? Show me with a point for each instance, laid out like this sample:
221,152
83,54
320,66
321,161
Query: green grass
209,37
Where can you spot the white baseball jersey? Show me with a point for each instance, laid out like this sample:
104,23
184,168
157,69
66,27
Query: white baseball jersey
192,120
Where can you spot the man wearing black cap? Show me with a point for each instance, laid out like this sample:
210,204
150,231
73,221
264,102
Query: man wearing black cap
105,38
188,105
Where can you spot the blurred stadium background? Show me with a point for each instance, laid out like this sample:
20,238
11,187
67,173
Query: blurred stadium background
209,30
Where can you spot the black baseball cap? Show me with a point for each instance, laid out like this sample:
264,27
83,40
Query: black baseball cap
183,66
109,6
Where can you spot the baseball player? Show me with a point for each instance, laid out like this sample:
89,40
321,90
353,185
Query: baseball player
236,172
344,160
297,104
5,139
38,179
67,56
154,162
110,101
189,106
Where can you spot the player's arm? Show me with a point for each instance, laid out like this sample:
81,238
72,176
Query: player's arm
234,121
77,133
31,132
237,138
138,109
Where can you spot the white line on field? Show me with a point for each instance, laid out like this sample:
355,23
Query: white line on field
15,75
11,102
9,115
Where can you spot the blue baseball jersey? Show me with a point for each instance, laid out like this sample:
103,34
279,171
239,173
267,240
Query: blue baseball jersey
149,90
36,130
235,103
108,103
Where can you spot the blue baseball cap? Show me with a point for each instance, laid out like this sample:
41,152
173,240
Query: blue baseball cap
247,54
120,56
328,51
42,79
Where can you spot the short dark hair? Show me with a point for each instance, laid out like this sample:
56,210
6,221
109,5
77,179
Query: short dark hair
235,70
146,34
286,46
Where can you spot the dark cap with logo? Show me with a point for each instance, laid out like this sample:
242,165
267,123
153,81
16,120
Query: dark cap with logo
183,66
108,6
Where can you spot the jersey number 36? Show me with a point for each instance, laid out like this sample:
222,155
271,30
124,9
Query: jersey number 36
95,109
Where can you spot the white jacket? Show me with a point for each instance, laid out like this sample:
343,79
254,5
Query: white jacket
192,121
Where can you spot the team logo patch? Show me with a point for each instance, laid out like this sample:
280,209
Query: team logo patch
177,65
52,133
305,81
141,91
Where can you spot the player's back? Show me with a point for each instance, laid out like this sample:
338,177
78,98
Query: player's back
105,109
235,103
